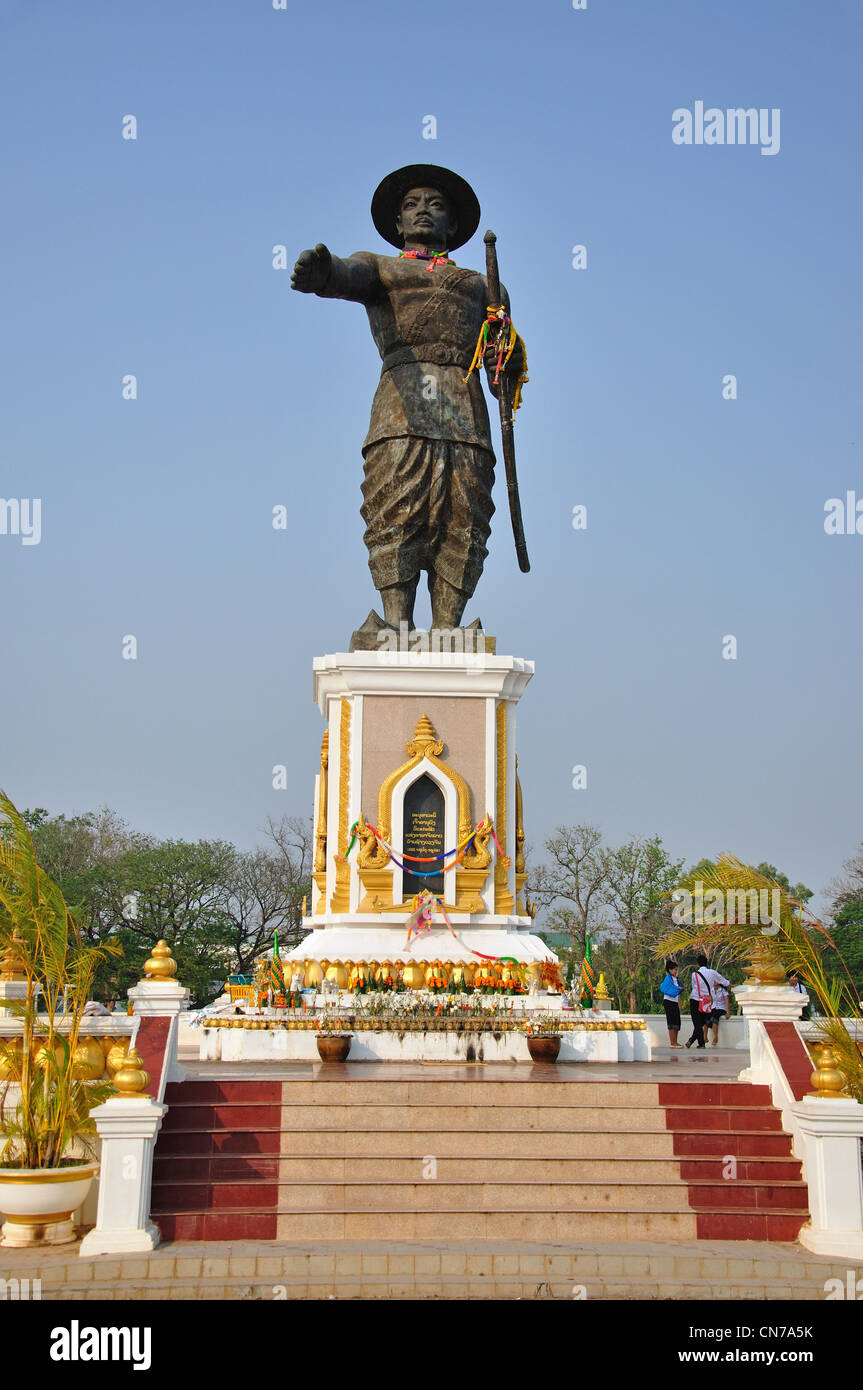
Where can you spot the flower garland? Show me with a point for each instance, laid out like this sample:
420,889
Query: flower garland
434,256
506,342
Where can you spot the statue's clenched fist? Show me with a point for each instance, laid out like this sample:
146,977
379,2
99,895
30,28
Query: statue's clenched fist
312,270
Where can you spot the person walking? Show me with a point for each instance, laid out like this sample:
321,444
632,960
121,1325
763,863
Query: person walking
700,1004
671,991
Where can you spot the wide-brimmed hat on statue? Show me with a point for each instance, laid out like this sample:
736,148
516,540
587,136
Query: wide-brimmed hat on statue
388,195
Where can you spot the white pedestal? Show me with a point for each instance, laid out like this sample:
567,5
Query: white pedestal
395,718
831,1131
160,998
127,1126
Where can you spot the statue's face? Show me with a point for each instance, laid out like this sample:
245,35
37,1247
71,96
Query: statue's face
426,219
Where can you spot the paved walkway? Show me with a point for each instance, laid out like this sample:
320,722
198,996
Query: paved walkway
499,1270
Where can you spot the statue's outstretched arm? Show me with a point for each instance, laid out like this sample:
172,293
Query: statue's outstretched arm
321,273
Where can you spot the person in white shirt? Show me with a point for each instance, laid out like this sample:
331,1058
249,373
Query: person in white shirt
703,1006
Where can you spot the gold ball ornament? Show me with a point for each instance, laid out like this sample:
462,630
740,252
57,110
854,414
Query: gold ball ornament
11,1054
131,1078
829,1082
160,965
43,1053
88,1061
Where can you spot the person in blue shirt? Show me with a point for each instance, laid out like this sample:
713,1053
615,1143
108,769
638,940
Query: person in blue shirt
671,991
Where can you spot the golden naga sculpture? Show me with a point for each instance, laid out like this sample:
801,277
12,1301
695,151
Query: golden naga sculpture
371,853
479,854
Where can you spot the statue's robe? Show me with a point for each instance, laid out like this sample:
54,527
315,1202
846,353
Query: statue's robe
429,464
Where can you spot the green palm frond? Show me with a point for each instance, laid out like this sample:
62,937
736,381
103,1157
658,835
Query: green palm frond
49,1107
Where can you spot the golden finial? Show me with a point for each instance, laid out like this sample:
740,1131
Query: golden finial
425,739
765,967
131,1079
828,1080
160,965
13,965
601,991
116,1056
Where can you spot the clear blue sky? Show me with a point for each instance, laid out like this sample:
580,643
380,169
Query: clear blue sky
258,127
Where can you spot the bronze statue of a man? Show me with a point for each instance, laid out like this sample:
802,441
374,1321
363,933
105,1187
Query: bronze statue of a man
429,463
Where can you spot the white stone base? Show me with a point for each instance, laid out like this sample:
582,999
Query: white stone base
98,1242
372,938
845,1245
577,1045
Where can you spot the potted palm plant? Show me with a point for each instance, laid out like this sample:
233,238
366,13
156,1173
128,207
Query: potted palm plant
46,1162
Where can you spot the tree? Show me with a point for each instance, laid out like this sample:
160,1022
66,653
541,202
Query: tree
846,928
641,875
576,879
217,906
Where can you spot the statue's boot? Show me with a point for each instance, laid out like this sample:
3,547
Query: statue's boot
378,633
448,603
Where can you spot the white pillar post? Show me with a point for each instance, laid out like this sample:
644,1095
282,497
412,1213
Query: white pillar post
127,1126
832,1130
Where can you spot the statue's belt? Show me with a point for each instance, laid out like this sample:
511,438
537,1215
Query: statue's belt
431,354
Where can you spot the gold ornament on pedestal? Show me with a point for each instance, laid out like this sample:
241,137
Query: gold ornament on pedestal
131,1079
160,965
601,991
765,967
828,1080
116,1057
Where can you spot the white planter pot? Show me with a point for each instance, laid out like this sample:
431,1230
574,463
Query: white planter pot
38,1203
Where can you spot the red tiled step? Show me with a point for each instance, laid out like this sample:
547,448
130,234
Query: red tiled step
227,1167
749,1225
225,1225
212,1092
711,1117
722,1093
707,1169
202,1142
775,1196
718,1143
176,1197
